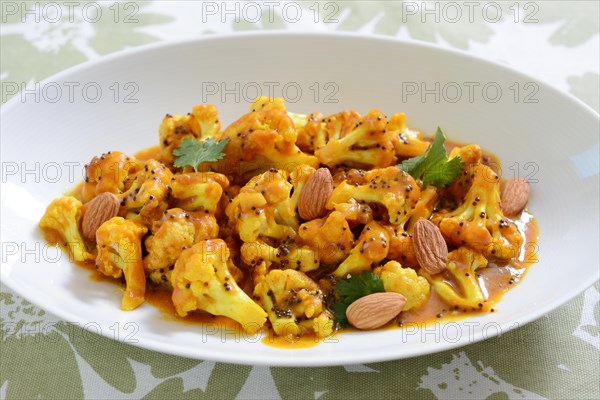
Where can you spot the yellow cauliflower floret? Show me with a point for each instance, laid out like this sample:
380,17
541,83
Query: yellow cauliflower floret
112,172
264,208
330,237
347,138
407,142
355,212
201,123
259,270
401,241
150,191
120,254
264,103
286,255
206,225
201,281
294,303
458,284
63,217
401,246
469,154
236,273
166,244
453,194
298,177
424,207
372,247
391,187
176,230
260,140
404,281
479,222
198,190
310,127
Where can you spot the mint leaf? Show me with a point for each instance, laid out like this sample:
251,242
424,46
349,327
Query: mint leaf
443,172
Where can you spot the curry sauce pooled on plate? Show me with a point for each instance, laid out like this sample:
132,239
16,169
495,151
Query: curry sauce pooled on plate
304,224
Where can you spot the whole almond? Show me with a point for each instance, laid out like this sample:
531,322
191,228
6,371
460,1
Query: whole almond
314,195
99,210
431,250
514,195
375,310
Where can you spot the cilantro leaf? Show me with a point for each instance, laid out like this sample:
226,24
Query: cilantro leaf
417,166
433,166
352,289
193,152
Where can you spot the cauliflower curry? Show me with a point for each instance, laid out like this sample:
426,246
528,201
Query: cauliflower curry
209,218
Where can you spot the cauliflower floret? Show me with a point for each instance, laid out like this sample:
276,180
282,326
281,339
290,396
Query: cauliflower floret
330,237
423,208
259,270
176,230
264,208
401,246
391,187
458,284
298,177
456,191
310,127
404,281
371,248
407,142
201,281
401,241
264,103
286,255
347,138
201,123
478,222
112,172
228,195
268,103
294,303
120,253
198,190
206,225
63,217
355,212
262,139
276,223
150,191
236,273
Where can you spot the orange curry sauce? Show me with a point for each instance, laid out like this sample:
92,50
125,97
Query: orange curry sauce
494,280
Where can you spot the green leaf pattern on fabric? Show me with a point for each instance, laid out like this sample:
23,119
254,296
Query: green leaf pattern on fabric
576,23
48,46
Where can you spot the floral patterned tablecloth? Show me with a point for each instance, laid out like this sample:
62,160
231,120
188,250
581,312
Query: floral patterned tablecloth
556,357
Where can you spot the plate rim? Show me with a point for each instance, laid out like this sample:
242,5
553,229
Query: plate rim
107,58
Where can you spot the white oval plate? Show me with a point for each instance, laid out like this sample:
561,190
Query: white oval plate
118,102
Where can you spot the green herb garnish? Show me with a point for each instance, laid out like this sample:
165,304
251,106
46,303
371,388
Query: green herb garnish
433,166
352,289
193,152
